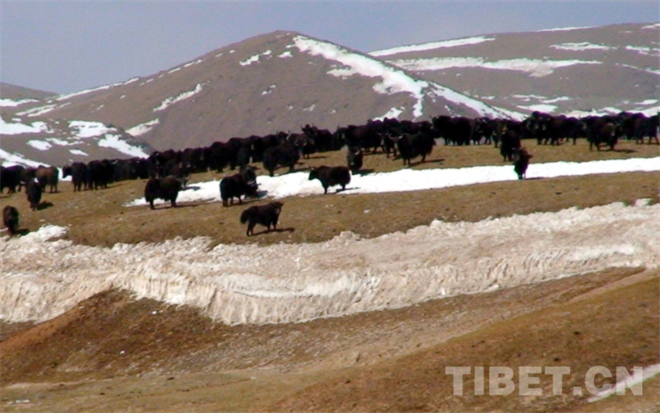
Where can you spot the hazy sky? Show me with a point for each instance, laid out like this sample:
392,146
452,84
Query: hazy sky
70,46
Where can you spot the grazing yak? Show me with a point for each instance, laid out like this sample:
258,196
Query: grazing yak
236,186
354,159
163,188
284,154
330,176
10,218
10,178
266,215
78,172
33,191
522,162
412,146
48,175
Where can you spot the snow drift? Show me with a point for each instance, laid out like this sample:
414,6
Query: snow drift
281,283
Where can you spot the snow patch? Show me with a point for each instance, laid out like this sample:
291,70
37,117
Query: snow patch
186,95
535,67
115,142
142,128
20,128
9,103
432,46
582,46
40,145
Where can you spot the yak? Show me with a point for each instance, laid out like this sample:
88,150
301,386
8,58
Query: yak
354,159
521,163
48,175
412,146
236,186
284,154
163,188
266,215
10,218
330,176
78,172
33,191
10,178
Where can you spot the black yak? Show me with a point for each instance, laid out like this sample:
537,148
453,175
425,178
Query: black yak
33,191
236,186
521,163
79,173
330,176
10,218
10,178
266,215
164,188
284,154
354,159
412,146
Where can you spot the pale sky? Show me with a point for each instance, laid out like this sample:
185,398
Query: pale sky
70,46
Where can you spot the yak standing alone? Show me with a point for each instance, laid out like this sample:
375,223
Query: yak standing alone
521,163
163,188
266,215
330,176
237,186
10,218
33,191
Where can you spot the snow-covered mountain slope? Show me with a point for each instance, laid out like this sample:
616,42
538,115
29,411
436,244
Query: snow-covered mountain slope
579,71
262,85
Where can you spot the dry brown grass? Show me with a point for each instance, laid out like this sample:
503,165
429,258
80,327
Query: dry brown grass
99,217
112,353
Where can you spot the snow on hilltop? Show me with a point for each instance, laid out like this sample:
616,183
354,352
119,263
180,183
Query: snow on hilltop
393,80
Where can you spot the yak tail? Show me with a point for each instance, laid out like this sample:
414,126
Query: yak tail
245,216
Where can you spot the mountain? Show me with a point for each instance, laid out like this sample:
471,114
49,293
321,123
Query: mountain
282,80
575,71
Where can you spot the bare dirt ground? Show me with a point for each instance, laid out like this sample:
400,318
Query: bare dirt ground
113,353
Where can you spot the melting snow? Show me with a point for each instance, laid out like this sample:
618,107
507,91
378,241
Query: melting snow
298,184
41,145
142,128
78,152
295,282
582,46
392,80
20,128
432,46
535,67
285,55
255,58
170,101
6,103
115,142
87,129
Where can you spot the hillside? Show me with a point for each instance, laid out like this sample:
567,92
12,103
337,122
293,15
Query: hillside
110,308
282,80
578,71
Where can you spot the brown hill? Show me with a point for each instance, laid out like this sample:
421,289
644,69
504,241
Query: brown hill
604,69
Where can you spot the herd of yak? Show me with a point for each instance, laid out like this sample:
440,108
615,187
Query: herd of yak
167,171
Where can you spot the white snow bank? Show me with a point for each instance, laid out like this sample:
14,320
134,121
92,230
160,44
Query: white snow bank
535,67
298,184
7,128
172,100
10,103
432,46
295,282
392,80
115,142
